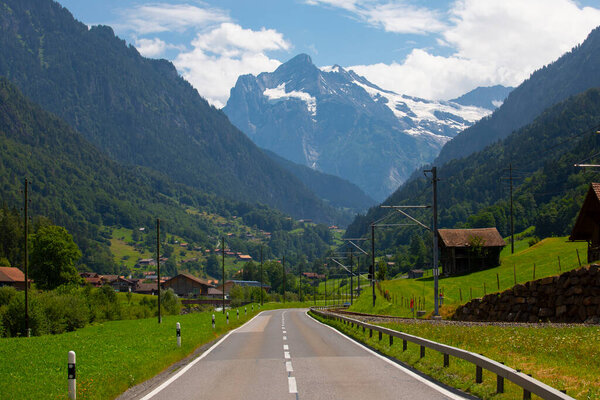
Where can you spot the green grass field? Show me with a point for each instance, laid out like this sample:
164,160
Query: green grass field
460,289
111,357
553,355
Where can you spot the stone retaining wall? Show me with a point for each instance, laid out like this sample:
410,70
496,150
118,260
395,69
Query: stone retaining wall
573,296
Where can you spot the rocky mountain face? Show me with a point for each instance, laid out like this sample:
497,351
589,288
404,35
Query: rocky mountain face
490,97
336,121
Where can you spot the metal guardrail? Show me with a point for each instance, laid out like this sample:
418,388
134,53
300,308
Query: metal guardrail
526,382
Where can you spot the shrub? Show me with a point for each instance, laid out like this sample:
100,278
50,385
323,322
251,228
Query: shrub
6,294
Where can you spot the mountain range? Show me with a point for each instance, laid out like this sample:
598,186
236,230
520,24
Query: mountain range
139,111
574,72
548,189
338,122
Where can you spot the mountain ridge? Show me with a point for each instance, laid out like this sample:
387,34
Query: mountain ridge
331,119
139,111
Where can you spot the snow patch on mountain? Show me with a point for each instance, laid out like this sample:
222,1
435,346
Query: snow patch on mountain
280,93
424,113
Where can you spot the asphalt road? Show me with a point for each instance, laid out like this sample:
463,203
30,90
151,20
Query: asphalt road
285,354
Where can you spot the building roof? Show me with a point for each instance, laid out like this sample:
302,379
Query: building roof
214,291
462,237
11,274
588,216
193,278
146,287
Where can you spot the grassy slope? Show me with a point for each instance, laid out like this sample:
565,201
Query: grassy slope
553,355
111,357
543,254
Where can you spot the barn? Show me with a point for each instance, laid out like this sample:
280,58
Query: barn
466,250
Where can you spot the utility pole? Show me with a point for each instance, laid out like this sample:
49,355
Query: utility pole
436,271
300,281
372,272
261,276
223,268
358,274
351,278
283,266
512,224
26,255
158,265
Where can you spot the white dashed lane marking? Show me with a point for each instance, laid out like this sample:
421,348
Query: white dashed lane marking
292,384
286,355
288,366
286,347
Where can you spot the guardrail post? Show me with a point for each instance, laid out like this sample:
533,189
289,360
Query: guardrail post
363,329
391,340
404,345
370,332
478,374
380,336
178,328
526,393
422,351
72,376
499,384
446,360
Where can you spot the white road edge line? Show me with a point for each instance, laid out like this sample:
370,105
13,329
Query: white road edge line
400,367
292,384
190,365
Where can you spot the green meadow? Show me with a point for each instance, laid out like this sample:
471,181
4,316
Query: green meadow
514,268
111,357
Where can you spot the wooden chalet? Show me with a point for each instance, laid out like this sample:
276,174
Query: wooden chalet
188,286
587,225
466,250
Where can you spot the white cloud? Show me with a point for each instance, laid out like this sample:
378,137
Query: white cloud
154,47
221,55
392,16
164,17
494,42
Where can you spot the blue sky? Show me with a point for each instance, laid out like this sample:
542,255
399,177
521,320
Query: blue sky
433,49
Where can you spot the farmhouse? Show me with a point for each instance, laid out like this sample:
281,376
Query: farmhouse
587,225
11,276
186,285
467,250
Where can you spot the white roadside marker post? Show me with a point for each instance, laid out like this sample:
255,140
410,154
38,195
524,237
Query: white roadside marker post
178,334
245,311
238,313
213,321
228,317
72,376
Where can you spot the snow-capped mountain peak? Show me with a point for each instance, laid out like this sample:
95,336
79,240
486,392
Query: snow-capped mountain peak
335,120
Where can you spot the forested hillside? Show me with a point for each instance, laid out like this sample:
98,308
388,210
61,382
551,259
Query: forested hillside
574,72
337,191
77,186
474,192
139,111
